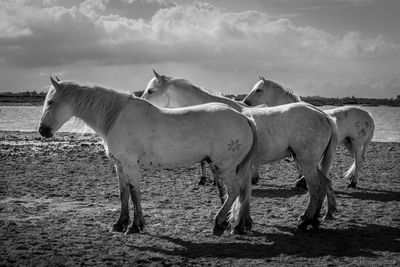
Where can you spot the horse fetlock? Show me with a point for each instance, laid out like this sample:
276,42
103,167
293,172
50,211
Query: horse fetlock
352,184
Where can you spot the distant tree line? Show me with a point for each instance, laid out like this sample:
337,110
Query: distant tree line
339,101
37,98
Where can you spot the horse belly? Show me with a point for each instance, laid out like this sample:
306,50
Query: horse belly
169,158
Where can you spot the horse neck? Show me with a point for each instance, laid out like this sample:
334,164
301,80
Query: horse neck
193,95
283,97
98,108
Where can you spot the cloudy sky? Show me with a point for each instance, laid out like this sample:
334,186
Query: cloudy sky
315,47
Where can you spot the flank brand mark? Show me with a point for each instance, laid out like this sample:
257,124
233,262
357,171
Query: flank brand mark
234,145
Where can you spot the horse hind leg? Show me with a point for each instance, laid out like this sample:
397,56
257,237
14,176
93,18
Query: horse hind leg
123,220
317,192
359,158
240,211
330,196
233,189
350,173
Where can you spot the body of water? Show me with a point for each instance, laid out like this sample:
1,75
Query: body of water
26,118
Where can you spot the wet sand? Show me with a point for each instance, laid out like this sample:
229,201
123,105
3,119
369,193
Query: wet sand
59,197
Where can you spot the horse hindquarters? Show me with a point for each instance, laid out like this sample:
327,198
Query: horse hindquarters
238,187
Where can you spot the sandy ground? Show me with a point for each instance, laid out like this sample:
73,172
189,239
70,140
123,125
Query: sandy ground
58,199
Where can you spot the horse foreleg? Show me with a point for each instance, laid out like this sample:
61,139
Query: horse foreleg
138,223
123,220
317,192
255,174
203,175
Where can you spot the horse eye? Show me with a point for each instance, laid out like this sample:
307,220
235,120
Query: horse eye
50,102
149,91
258,91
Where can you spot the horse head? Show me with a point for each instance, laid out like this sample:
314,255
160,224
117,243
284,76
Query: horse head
56,111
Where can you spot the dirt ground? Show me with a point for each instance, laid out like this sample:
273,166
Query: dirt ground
58,199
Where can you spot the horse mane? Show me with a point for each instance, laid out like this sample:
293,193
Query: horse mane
95,103
287,91
188,85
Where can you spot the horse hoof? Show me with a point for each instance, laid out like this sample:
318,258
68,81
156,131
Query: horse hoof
238,231
352,185
328,217
134,229
202,180
315,224
117,228
219,229
303,226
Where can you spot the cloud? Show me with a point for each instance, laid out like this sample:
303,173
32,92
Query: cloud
200,34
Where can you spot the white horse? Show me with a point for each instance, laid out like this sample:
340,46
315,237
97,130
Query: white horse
355,126
298,129
138,134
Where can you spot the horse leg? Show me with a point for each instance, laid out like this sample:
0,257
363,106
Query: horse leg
221,187
317,192
137,225
233,188
240,210
203,175
255,174
301,181
330,195
123,220
359,158
349,174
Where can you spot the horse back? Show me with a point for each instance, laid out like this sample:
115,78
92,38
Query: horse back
166,138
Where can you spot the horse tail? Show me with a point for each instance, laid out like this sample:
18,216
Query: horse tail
247,159
330,151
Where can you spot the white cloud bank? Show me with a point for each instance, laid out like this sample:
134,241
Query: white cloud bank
201,35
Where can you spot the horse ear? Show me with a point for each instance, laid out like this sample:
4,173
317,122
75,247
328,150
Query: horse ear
263,79
57,79
160,78
55,83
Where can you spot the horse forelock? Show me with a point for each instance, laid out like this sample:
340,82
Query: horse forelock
93,104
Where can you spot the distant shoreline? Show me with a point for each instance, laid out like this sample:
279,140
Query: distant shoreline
36,99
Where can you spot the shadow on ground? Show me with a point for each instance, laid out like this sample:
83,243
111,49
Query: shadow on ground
352,242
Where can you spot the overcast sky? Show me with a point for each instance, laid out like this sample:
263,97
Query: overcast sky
314,47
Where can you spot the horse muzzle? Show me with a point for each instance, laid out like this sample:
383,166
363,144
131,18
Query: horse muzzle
45,131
